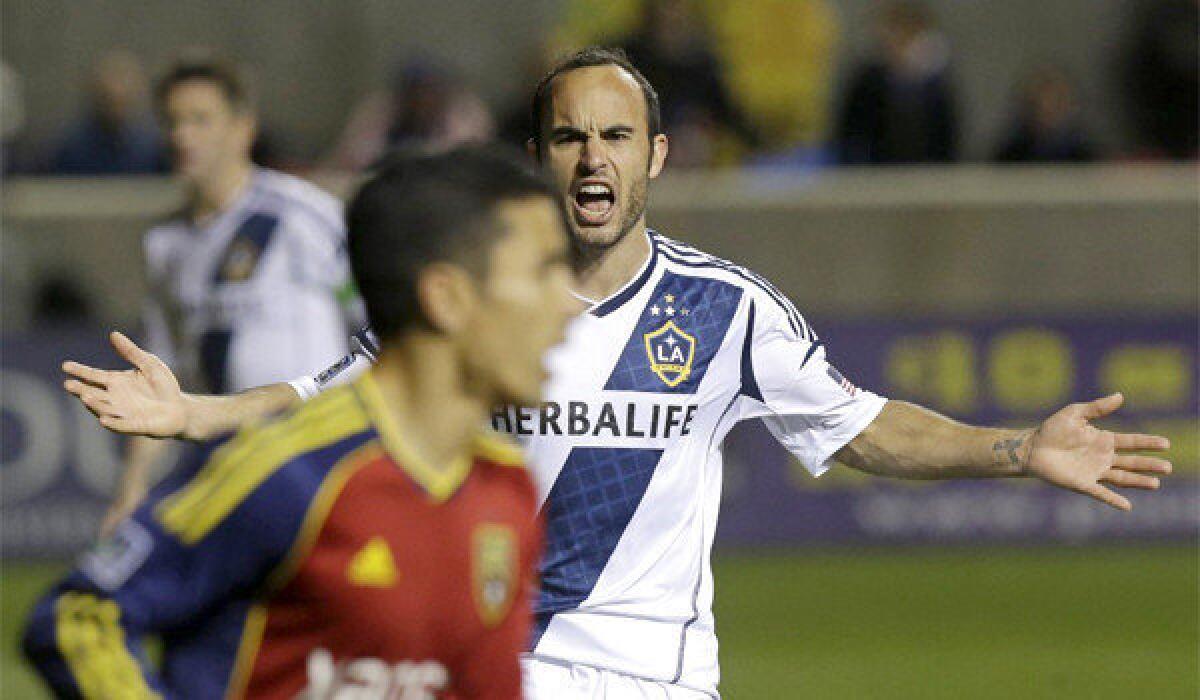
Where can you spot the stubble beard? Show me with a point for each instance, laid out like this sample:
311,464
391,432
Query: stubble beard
588,251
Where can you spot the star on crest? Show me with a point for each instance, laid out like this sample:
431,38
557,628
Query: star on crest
666,307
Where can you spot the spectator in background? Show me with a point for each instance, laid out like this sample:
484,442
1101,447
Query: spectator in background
673,49
900,106
249,282
426,106
116,135
515,122
778,58
1047,127
1160,78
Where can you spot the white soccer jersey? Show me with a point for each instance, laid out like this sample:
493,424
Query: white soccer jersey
626,453
256,294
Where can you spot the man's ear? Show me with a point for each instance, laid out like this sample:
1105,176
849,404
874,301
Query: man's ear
447,297
658,154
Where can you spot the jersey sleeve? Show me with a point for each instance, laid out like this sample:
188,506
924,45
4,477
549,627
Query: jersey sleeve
788,382
155,575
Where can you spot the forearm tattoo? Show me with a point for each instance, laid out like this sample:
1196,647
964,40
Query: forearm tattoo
1010,446
1009,451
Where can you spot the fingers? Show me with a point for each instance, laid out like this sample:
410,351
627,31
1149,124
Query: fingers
1139,463
129,350
98,404
76,387
1103,406
1125,479
1137,441
99,377
1105,495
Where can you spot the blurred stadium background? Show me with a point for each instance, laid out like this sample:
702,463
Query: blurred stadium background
1020,234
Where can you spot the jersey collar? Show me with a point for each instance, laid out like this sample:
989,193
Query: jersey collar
440,484
618,299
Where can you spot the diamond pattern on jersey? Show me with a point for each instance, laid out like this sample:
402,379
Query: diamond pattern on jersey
586,513
679,332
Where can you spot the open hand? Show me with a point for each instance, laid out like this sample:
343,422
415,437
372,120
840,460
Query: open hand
1067,451
145,400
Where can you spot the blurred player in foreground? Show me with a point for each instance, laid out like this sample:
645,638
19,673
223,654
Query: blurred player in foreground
376,541
249,282
676,347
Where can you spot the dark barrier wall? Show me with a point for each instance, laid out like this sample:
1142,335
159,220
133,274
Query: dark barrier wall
58,465
1004,372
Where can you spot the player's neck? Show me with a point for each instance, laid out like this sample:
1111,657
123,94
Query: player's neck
600,272
428,402
215,194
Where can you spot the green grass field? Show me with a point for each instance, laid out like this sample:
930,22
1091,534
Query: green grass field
1054,622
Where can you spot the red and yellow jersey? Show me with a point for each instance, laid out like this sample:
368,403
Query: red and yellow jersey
312,554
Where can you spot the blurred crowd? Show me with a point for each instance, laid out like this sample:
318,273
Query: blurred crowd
740,83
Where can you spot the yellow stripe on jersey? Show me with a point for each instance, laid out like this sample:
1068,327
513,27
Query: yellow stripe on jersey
92,642
440,484
209,479
252,634
499,449
318,511
235,470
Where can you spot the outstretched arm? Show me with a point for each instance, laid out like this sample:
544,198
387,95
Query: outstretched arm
146,400
912,442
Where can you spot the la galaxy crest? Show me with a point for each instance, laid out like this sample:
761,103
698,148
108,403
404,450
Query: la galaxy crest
671,349
494,563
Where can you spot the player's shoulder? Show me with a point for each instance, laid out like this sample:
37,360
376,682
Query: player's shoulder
316,426
167,227
273,466
768,300
498,449
684,259
299,200
504,458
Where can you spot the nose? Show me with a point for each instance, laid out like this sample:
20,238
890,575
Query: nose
591,156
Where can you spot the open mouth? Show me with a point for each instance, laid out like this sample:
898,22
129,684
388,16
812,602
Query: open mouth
594,204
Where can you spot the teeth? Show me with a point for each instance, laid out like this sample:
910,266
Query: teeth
595,189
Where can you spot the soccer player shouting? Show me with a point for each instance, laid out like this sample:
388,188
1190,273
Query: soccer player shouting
676,347
375,543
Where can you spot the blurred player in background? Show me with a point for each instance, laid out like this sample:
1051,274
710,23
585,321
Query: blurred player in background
249,282
676,348
376,543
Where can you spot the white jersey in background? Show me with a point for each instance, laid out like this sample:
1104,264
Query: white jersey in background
257,293
626,453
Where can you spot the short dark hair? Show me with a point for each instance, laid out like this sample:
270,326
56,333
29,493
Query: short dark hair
421,208
225,75
585,58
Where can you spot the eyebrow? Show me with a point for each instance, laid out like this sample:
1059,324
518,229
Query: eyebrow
571,131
